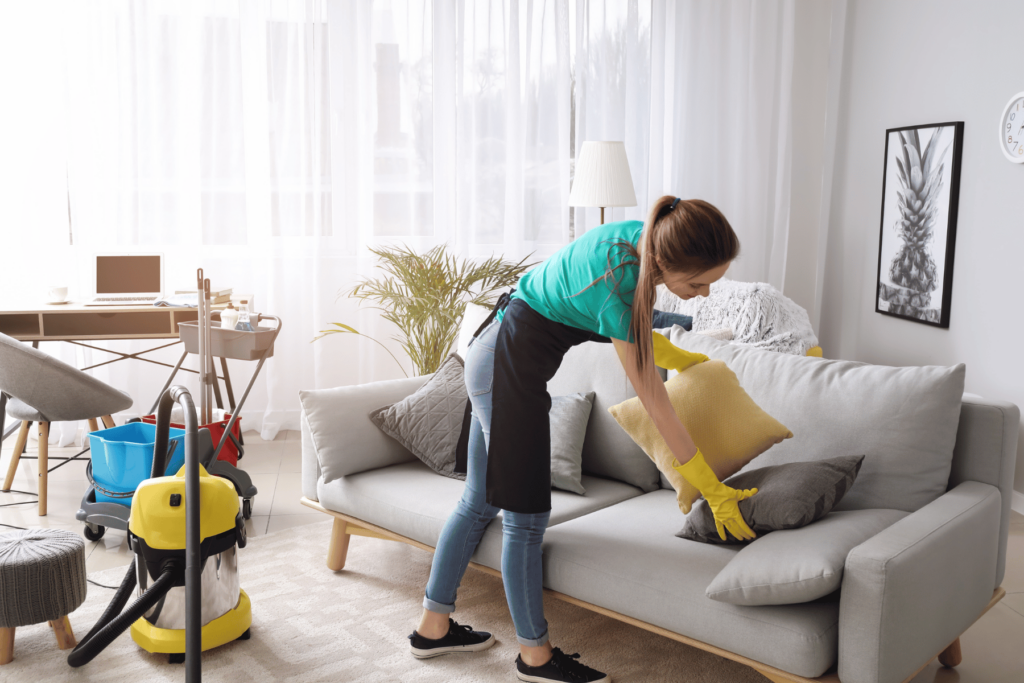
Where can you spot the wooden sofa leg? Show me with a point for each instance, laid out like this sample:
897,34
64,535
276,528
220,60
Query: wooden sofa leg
338,549
951,656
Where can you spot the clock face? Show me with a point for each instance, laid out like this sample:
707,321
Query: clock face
1011,129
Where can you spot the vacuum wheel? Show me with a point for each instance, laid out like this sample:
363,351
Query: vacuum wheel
94,532
244,636
247,508
176,658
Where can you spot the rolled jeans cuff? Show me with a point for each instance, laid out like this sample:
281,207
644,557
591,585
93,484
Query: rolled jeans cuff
533,642
439,607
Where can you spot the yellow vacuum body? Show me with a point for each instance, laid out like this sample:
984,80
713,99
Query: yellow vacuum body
156,533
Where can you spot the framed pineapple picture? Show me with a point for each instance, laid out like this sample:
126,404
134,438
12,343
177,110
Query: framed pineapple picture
920,195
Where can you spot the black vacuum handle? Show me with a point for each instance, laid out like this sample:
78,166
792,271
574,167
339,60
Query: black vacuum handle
193,565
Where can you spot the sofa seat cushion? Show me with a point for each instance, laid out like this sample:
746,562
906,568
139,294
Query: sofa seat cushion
626,558
412,500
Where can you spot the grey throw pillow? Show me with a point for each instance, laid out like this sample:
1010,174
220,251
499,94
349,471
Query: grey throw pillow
568,417
789,496
429,422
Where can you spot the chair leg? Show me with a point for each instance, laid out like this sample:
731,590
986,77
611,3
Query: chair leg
44,464
65,636
19,448
337,551
6,645
93,427
951,656
108,421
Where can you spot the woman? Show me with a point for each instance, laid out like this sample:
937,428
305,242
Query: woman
599,288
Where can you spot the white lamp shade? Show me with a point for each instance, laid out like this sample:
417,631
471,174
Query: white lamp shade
602,176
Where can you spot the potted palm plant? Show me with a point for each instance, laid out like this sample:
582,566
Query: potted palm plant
425,296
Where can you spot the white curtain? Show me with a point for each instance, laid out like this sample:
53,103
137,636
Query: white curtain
271,142
701,93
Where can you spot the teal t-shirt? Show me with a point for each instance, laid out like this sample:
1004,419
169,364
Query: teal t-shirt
549,288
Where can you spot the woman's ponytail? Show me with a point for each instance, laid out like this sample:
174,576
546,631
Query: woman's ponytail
688,236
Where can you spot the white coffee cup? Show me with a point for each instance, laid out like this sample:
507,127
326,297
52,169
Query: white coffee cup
57,294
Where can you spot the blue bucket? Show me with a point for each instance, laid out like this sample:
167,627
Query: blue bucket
122,458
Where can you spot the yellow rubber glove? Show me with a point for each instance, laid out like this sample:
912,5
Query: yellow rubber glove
668,355
724,500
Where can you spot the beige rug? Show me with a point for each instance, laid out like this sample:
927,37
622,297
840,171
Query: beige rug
310,624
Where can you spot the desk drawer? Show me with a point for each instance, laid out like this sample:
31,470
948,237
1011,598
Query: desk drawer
108,324
20,324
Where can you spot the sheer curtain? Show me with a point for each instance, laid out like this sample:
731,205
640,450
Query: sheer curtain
271,142
701,93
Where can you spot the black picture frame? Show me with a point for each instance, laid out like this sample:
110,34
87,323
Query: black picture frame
913,212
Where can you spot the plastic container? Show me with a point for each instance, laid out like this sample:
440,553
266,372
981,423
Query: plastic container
229,317
122,458
230,452
230,343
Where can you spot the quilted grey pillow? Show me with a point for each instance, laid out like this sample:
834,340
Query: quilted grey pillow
789,496
429,422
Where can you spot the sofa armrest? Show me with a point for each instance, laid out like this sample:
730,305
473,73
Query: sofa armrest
341,436
914,588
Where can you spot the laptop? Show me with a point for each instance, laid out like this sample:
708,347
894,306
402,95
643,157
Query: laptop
128,279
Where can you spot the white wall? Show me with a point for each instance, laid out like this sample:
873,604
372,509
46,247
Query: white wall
909,63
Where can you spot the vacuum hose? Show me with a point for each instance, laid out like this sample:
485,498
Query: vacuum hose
114,622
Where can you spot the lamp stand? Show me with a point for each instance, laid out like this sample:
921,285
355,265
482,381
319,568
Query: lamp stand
602,215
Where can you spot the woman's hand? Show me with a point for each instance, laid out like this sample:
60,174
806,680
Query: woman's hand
690,463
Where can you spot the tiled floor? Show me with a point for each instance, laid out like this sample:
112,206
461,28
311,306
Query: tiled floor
993,651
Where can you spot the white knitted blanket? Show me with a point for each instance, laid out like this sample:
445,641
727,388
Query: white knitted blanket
758,314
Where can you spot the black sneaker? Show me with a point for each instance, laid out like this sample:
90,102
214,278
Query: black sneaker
561,668
458,639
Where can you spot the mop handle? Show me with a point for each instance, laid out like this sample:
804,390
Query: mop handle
202,346
210,379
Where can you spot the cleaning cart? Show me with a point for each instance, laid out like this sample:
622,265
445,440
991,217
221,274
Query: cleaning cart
99,508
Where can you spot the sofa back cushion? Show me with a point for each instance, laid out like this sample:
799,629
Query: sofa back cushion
607,450
903,419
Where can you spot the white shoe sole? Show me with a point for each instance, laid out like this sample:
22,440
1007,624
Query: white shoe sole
538,679
438,651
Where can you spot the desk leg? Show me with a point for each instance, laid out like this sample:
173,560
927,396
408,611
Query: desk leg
44,464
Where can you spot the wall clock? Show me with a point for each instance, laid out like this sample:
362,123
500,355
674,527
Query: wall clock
1011,129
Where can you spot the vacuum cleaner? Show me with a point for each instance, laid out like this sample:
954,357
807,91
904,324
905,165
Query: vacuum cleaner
185,531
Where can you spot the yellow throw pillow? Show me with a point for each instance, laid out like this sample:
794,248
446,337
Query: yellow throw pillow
725,423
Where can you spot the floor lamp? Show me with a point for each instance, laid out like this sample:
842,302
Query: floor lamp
602,177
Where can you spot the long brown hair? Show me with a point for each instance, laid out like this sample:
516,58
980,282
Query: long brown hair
690,236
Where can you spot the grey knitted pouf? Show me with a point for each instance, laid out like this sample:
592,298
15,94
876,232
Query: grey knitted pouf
42,576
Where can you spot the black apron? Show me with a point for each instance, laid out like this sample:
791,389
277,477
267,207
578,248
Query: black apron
528,350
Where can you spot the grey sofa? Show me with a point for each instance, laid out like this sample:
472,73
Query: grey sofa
907,594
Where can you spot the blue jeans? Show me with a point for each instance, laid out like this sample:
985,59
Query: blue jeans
521,569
